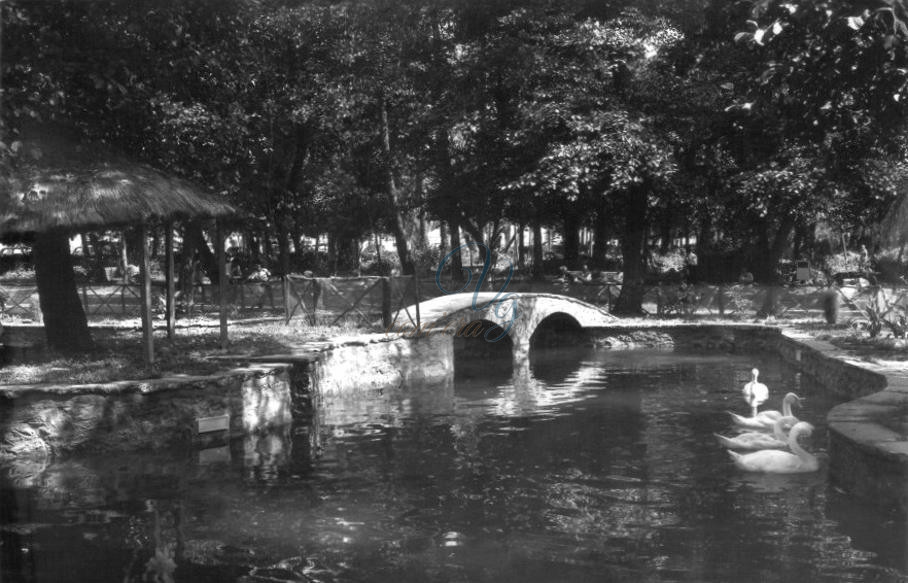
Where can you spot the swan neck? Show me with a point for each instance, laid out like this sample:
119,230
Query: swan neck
786,407
796,447
777,431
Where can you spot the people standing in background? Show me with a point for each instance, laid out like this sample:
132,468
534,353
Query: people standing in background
746,276
690,263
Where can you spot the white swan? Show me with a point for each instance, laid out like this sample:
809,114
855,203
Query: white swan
773,461
755,392
755,440
764,420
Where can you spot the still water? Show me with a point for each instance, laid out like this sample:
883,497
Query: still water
599,466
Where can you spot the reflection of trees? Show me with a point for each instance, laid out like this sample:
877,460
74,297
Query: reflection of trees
612,474
164,539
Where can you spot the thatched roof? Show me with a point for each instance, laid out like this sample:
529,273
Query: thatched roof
101,195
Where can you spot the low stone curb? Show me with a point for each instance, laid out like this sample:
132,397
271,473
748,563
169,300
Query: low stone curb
868,436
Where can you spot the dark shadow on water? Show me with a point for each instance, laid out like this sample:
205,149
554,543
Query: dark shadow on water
479,353
555,365
870,528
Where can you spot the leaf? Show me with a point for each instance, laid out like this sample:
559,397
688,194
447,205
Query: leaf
855,22
758,35
741,36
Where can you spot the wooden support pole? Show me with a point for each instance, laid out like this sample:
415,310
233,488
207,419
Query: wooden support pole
145,293
316,293
222,281
285,293
385,302
124,259
416,287
171,283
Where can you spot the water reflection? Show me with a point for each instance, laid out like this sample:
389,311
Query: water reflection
591,466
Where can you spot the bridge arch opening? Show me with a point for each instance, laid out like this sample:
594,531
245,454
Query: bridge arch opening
557,330
478,353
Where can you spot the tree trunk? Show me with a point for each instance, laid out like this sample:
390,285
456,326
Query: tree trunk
86,248
521,248
571,238
397,222
65,324
538,256
133,238
347,253
123,258
665,233
457,258
283,246
601,239
478,237
630,301
207,259
773,255
332,253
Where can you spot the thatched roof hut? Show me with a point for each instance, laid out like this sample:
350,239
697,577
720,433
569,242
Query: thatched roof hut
101,196
71,187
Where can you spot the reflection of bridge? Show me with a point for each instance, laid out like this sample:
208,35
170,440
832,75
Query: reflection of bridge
518,316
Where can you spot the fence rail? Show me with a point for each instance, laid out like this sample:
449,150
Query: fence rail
379,302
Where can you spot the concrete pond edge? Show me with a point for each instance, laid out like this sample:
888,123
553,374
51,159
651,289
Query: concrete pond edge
868,447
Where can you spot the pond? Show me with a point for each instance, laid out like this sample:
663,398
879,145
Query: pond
598,466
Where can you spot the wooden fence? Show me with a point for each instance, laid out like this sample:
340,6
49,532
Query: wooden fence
377,302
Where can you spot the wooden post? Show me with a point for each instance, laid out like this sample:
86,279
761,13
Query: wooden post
660,308
316,293
385,302
222,282
124,260
416,287
145,292
285,292
171,284
285,284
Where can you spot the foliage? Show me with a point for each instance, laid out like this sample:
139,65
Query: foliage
746,123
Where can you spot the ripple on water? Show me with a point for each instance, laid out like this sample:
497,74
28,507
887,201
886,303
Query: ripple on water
598,466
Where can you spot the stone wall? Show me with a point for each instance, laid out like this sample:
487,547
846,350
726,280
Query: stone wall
734,339
867,458
40,420
376,361
46,420
842,378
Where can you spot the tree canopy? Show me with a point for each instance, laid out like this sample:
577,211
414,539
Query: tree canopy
744,124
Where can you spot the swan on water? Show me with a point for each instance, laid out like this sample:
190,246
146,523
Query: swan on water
774,461
755,440
764,420
755,392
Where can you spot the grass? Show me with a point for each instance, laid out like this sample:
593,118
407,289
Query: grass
195,350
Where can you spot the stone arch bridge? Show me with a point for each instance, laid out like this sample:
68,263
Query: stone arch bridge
516,315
